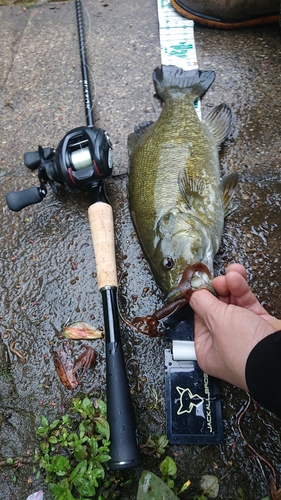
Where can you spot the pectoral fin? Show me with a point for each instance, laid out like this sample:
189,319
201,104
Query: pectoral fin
228,186
219,122
190,188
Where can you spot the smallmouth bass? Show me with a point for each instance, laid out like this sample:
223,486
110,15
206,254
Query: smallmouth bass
176,199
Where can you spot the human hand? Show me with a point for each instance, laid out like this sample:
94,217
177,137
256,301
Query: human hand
232,290
228,327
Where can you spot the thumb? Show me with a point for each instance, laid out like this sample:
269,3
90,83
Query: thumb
207,324
203,303
212,314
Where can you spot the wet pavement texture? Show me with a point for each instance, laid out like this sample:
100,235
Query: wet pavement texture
47,262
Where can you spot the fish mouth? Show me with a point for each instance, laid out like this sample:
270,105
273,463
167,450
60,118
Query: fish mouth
174,294
195,277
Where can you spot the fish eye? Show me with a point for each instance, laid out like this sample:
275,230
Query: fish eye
167,263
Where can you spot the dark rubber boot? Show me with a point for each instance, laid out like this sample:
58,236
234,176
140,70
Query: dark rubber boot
229,14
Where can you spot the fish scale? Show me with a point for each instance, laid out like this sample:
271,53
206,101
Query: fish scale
166,162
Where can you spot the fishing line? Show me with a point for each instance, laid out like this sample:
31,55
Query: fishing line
88,100
240,415
89,22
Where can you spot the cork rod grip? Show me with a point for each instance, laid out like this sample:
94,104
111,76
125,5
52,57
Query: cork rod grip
102,229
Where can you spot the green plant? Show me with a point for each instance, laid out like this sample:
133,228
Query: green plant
156,401
15,464
155,445
74,452
74,456
241,494
168,469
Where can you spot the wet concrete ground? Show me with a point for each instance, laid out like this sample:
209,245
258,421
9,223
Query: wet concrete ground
47,262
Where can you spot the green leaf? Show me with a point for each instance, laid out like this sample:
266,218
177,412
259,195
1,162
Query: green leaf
163,441
9,461
93,445
64,435
106,443
88,408
44,421
95,474
60,465
170,482
241,494
83,428
93,480
61,490
84,439
54,424
42,431
101,406
98,468
210,485
103,457
48,467
53,439
44,447
80,452
44,460
72,439
103,427
151,486
84,486
168,467
103,449
79,470
66,419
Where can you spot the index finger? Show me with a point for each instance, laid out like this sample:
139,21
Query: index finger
233,283
221,283
238,268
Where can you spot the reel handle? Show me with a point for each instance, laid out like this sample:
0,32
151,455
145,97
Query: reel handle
32,159
17,200
124,449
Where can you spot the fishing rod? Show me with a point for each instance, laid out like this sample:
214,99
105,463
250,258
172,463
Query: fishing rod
82,161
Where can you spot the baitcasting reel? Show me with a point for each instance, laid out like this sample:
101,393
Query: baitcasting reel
82,159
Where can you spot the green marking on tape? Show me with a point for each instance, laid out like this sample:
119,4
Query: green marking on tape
179,50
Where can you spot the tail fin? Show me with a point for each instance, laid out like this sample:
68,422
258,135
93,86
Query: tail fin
171,78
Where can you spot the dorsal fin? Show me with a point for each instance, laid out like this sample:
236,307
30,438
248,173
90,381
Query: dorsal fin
139,132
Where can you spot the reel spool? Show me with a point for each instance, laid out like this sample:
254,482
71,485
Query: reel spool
83,157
